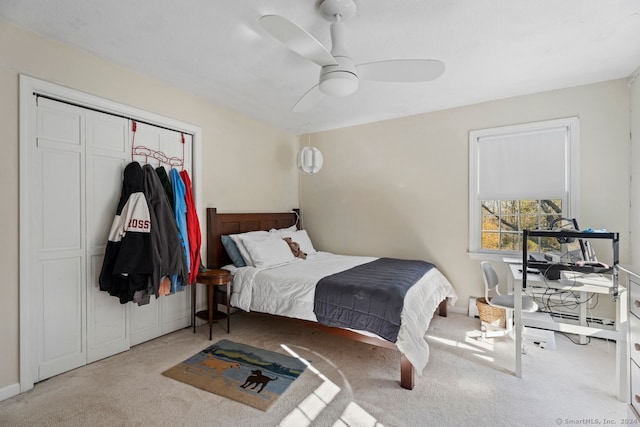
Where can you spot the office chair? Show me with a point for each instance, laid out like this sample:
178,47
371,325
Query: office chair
494,298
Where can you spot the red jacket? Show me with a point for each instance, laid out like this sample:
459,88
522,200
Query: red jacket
193,229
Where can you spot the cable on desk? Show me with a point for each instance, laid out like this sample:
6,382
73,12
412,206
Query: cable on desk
557,302
576,342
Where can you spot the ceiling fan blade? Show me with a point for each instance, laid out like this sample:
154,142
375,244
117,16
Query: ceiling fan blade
297,39
309,100
402,70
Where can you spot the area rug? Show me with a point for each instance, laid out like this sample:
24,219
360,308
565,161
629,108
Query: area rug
247,374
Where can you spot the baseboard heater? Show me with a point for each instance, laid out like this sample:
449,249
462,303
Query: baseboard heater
544,320
590,320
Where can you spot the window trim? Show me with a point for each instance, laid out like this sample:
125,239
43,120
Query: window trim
571,200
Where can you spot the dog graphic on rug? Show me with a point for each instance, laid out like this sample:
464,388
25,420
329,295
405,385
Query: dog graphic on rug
218,365
257,378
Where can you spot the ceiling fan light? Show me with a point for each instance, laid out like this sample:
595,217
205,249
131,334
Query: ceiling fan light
338,83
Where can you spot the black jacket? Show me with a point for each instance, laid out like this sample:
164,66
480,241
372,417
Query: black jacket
127,265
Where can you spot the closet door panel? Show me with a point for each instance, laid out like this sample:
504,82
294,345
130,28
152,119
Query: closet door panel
62,316
57,238
61,199
59,122
145,321
106,133
147,141
188,156
176,310
104,185
107,155
107,331
170,143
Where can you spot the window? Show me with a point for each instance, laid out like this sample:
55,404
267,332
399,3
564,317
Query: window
520,177
504,220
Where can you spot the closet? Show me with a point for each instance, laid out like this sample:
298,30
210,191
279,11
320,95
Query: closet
74,161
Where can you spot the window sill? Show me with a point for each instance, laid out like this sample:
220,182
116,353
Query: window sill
486,256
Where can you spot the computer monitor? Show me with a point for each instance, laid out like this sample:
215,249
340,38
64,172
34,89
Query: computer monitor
572,250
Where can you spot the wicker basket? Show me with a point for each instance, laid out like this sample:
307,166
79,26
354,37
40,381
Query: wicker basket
494,316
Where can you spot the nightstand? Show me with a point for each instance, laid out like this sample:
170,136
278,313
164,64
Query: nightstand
212,278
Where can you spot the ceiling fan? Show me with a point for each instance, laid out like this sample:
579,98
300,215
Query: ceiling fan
339,74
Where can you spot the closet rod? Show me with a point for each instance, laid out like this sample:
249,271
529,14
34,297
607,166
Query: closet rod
39,95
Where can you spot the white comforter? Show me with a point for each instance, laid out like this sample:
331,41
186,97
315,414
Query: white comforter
288,290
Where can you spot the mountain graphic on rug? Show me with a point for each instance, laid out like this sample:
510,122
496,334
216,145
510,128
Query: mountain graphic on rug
247,374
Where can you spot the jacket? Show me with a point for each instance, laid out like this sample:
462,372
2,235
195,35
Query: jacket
167,256
180,213
193,229
127,267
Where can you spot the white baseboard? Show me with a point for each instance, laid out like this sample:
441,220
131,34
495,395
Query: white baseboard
9,391
455,309
473,308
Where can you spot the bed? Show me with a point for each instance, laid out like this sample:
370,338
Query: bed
295,283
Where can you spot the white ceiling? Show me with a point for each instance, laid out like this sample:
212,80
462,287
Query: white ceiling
492,49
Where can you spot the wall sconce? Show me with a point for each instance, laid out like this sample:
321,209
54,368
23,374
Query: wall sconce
310,159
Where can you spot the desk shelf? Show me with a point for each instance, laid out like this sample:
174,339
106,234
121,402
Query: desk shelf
615,246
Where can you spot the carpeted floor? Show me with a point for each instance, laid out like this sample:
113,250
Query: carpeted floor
466,382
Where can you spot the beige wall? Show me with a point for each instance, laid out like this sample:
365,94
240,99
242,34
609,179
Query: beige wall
400,187
247,165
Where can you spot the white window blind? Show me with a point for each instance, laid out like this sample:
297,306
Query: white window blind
527,165
524,162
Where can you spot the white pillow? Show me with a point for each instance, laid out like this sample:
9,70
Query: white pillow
283,231
231,268
237,239
267,251
302,238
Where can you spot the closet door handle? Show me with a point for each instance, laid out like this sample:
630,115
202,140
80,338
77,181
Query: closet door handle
636,303
637,346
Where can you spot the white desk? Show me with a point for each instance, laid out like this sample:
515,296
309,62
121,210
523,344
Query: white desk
537,283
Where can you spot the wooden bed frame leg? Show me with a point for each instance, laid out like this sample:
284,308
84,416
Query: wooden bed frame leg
442,308
407,376
406,373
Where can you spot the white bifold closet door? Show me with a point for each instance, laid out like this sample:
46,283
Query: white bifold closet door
75,180
172,312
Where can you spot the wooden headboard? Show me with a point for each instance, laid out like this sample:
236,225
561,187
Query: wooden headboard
219,224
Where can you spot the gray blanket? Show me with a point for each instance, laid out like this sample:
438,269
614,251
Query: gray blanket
368,297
